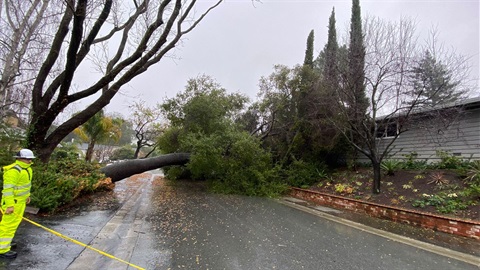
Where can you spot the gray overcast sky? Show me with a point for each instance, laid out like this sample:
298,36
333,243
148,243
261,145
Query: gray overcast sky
239,42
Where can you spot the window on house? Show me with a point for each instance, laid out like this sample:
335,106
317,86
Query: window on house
386,130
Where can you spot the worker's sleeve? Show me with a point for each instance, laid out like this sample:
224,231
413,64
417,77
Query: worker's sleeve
10,178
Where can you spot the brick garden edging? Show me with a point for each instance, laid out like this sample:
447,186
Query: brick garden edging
468,228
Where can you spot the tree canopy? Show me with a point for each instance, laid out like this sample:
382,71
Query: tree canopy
433,84
203,123
99,129
62,37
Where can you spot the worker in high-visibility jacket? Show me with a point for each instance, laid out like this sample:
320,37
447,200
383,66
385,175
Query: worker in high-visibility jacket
17,181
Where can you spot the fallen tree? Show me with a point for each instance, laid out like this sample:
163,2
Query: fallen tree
121,170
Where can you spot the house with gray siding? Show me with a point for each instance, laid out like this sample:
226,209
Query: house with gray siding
454,129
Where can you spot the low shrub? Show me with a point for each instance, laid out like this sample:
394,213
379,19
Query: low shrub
390,166
444,203
60,182
473,191
176,172
449,161
66,151
411,162
303,174
125,152
438,179
472,173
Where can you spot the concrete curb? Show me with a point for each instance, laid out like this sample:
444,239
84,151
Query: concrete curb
474,260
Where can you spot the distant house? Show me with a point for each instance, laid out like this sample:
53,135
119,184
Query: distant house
101,152
13,120
454,129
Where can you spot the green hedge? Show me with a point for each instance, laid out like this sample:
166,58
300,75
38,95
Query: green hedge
60,182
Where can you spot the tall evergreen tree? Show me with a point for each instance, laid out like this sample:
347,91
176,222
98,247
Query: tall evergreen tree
433,83
353,95
356,100
306,81
330,69
309,51
300,144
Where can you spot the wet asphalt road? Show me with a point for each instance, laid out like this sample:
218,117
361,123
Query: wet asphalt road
180,226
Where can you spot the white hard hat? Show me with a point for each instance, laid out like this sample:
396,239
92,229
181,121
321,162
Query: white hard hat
25,154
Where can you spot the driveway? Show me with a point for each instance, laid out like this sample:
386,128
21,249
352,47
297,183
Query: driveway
179,226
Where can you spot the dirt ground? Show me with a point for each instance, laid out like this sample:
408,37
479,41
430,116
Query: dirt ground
402,189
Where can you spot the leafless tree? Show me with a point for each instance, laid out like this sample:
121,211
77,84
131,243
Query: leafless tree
122,39
24,33
392,53
147,126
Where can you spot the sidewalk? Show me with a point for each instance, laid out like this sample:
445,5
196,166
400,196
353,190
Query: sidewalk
40,249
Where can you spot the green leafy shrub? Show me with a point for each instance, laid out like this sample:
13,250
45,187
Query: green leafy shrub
390,166
443,203
472,175
234,163
169,141
411,162
61,181
304,174
176,172
473,191
66,151
125,152
449,161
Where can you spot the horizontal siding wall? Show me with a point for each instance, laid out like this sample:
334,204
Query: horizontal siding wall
462,138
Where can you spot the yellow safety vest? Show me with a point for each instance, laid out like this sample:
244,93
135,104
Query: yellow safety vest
17,181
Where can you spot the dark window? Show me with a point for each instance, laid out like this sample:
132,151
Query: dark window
385,130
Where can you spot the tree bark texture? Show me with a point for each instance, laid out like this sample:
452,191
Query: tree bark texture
121,170
377,175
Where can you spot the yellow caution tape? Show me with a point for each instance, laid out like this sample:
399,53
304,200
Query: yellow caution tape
79,243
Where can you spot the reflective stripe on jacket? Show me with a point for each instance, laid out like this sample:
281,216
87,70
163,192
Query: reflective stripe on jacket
17,181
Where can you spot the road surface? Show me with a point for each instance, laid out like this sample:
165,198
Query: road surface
180,226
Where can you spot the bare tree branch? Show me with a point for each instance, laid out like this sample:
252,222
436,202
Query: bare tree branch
78,25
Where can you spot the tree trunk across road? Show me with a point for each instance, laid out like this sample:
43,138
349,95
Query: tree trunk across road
127,168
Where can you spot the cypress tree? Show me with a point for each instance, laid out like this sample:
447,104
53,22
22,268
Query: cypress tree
309,51
355,96
330,71
358,101
300,145
306,79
